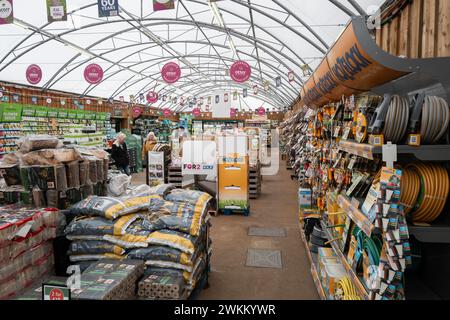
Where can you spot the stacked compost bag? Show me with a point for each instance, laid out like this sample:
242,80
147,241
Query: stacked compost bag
166,228
26,251
46,174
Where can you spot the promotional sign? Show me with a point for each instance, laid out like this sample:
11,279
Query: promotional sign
108,8
28,111
62,114
255,89
155,167
199,157
152,97
240,71
11,112
137,111
233,112
261,111
159,5
34,74
56,10
278,81
55,292
225,97
6,11
93,73
291,76
196,112
171,72
244,93
166,112
41,112
52,113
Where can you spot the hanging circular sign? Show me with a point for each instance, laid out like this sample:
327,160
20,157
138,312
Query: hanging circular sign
88,101
152,97
240,71
261,111
171,72
6,9
34,74
49,100
137,111
93,73
196,112
166,112
232,112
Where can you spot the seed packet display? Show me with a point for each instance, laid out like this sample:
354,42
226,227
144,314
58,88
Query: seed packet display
155,168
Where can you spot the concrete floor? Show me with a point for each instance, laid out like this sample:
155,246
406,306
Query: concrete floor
230,278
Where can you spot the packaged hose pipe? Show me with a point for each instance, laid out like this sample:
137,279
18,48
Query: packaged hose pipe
397,119
73,175
435,120
38,142
433,185
84,172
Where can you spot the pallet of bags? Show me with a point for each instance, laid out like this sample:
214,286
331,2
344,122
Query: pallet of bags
26,250
35,291
109,280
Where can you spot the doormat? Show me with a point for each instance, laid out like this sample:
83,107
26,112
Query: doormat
262,258
267,232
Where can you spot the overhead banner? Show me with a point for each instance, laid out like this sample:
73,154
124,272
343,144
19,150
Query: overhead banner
159,5
56,10
108,8
220,106
240,71
152,97
34,74
6,11
171,72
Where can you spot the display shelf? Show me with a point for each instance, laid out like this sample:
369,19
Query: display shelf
356,215
430,234
360,288
424,152
314,272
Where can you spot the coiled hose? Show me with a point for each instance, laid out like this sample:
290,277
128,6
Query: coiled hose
345,290
435,119
397,119
424,191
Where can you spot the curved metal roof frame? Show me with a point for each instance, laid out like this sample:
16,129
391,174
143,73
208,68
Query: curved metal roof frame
283,95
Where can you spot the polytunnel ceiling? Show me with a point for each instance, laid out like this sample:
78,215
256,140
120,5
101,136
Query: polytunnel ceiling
274,36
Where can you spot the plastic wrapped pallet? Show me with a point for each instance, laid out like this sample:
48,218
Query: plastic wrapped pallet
105,169
92,170
99,165
73,175
109,280
50,157
38,142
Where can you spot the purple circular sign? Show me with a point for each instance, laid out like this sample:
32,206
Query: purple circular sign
93,73
196,112
34,74
171,72
240,71
261,111
166,112
232,112
152,97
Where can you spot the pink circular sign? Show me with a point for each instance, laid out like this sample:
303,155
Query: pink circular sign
166,112
171,72
232,112
152,97
240,71
93,73
137,111
196,112
261,111
34,74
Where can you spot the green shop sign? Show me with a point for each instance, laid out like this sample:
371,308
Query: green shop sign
72,114
53,113
11,112
62,113
28,111
81,115
41,111
89,115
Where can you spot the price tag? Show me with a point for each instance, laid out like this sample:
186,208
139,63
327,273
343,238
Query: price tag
376,140
414,140
337,130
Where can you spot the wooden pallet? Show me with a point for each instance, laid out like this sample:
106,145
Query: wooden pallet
175,176
229,212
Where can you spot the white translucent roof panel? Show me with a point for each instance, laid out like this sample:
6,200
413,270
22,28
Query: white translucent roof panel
273,36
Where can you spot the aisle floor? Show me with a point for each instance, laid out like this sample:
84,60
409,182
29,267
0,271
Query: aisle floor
230,278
